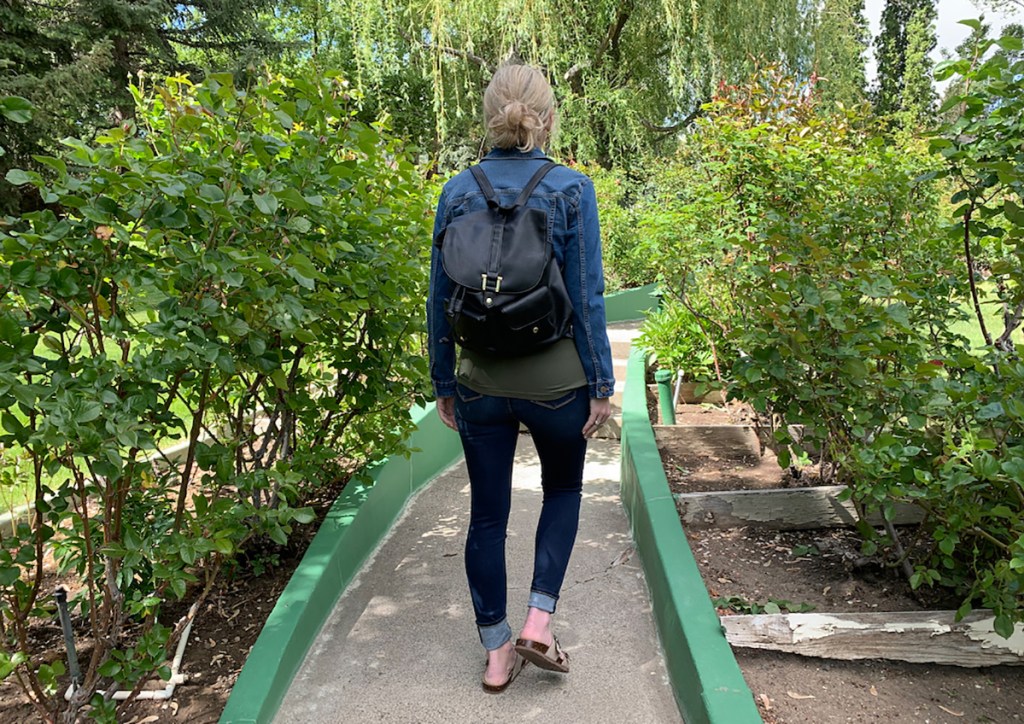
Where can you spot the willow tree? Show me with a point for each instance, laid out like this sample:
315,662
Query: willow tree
627,73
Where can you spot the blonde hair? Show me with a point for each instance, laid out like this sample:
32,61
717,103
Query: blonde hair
519,108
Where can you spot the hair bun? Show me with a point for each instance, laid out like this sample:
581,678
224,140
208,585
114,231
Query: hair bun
517,114
518,107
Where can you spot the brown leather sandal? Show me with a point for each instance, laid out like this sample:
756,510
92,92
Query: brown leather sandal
549,658
517,667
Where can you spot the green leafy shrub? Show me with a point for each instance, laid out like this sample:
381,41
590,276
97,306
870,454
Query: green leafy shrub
676,342
237,268
817,249
627,253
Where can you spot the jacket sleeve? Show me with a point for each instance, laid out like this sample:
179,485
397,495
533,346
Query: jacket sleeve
591,333
439,334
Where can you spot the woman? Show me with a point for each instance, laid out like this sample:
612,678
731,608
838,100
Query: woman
561,393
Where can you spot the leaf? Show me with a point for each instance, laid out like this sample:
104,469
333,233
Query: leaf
223,545
1010,43
177,586
16,109
18,177
267,203
1003,625
211,193
89,412
972,23
990,411
22,272
1013,212
278,535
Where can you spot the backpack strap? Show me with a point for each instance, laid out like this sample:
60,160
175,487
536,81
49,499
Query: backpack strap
492,197
532,183
485,186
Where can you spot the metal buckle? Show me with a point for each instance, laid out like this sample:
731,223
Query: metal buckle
483,283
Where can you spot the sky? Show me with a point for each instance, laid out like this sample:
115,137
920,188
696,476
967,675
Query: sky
948,31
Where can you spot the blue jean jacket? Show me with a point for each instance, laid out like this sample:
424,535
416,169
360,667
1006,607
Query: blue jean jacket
568,197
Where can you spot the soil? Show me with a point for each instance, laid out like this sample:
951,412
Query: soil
826,570
224,631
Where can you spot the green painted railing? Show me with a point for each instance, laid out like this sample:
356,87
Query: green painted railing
357,522
707,682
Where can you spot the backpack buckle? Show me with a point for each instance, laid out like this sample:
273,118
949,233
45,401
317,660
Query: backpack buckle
483,283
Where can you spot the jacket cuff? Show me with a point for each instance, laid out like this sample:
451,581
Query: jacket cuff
602,389
444,389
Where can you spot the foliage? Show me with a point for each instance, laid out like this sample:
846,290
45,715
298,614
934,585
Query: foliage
817,249
626,74
982,418
982,151
73,60
676,342
626,251
903,22
233,267
840,44
917,102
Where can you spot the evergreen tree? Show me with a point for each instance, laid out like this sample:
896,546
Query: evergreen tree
917,102
841,40
73,60
891,50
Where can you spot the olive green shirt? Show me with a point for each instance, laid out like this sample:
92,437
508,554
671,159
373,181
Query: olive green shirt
545,375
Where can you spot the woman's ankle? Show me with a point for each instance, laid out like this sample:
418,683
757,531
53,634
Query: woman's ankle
537,626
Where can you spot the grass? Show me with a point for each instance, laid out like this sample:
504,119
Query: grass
16,485
970,328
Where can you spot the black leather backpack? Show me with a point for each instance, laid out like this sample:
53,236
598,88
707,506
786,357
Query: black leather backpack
509,296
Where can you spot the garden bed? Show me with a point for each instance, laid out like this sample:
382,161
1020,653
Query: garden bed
749,568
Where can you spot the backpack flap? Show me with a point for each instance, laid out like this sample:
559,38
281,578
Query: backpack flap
512,246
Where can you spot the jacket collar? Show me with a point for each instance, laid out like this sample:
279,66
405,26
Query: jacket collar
513,153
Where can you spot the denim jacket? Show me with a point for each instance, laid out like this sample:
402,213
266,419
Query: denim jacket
568,197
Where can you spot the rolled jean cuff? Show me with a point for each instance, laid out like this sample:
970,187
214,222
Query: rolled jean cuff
496,635
543,601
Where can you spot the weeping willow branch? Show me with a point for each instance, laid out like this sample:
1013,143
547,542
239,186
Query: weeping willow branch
446,50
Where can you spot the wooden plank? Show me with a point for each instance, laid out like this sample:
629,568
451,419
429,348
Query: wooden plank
928,637
725,442
780,509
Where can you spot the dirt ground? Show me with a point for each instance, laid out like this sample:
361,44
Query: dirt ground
826,570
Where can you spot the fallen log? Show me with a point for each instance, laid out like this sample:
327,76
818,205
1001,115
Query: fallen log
924,637
780,509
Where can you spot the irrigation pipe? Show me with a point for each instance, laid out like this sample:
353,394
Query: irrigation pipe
165,693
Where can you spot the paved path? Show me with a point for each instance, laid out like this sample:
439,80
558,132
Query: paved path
400,646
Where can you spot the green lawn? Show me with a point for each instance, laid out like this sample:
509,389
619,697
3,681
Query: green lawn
993,321
16,486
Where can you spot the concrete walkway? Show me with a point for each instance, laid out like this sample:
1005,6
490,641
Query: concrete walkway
400,646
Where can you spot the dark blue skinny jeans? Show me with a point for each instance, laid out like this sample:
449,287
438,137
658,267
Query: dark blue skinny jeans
489,427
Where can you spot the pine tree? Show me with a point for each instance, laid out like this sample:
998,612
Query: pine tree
891,47
73,60
917,102
841,41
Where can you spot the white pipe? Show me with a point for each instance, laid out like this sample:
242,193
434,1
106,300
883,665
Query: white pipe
176,676
679,387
